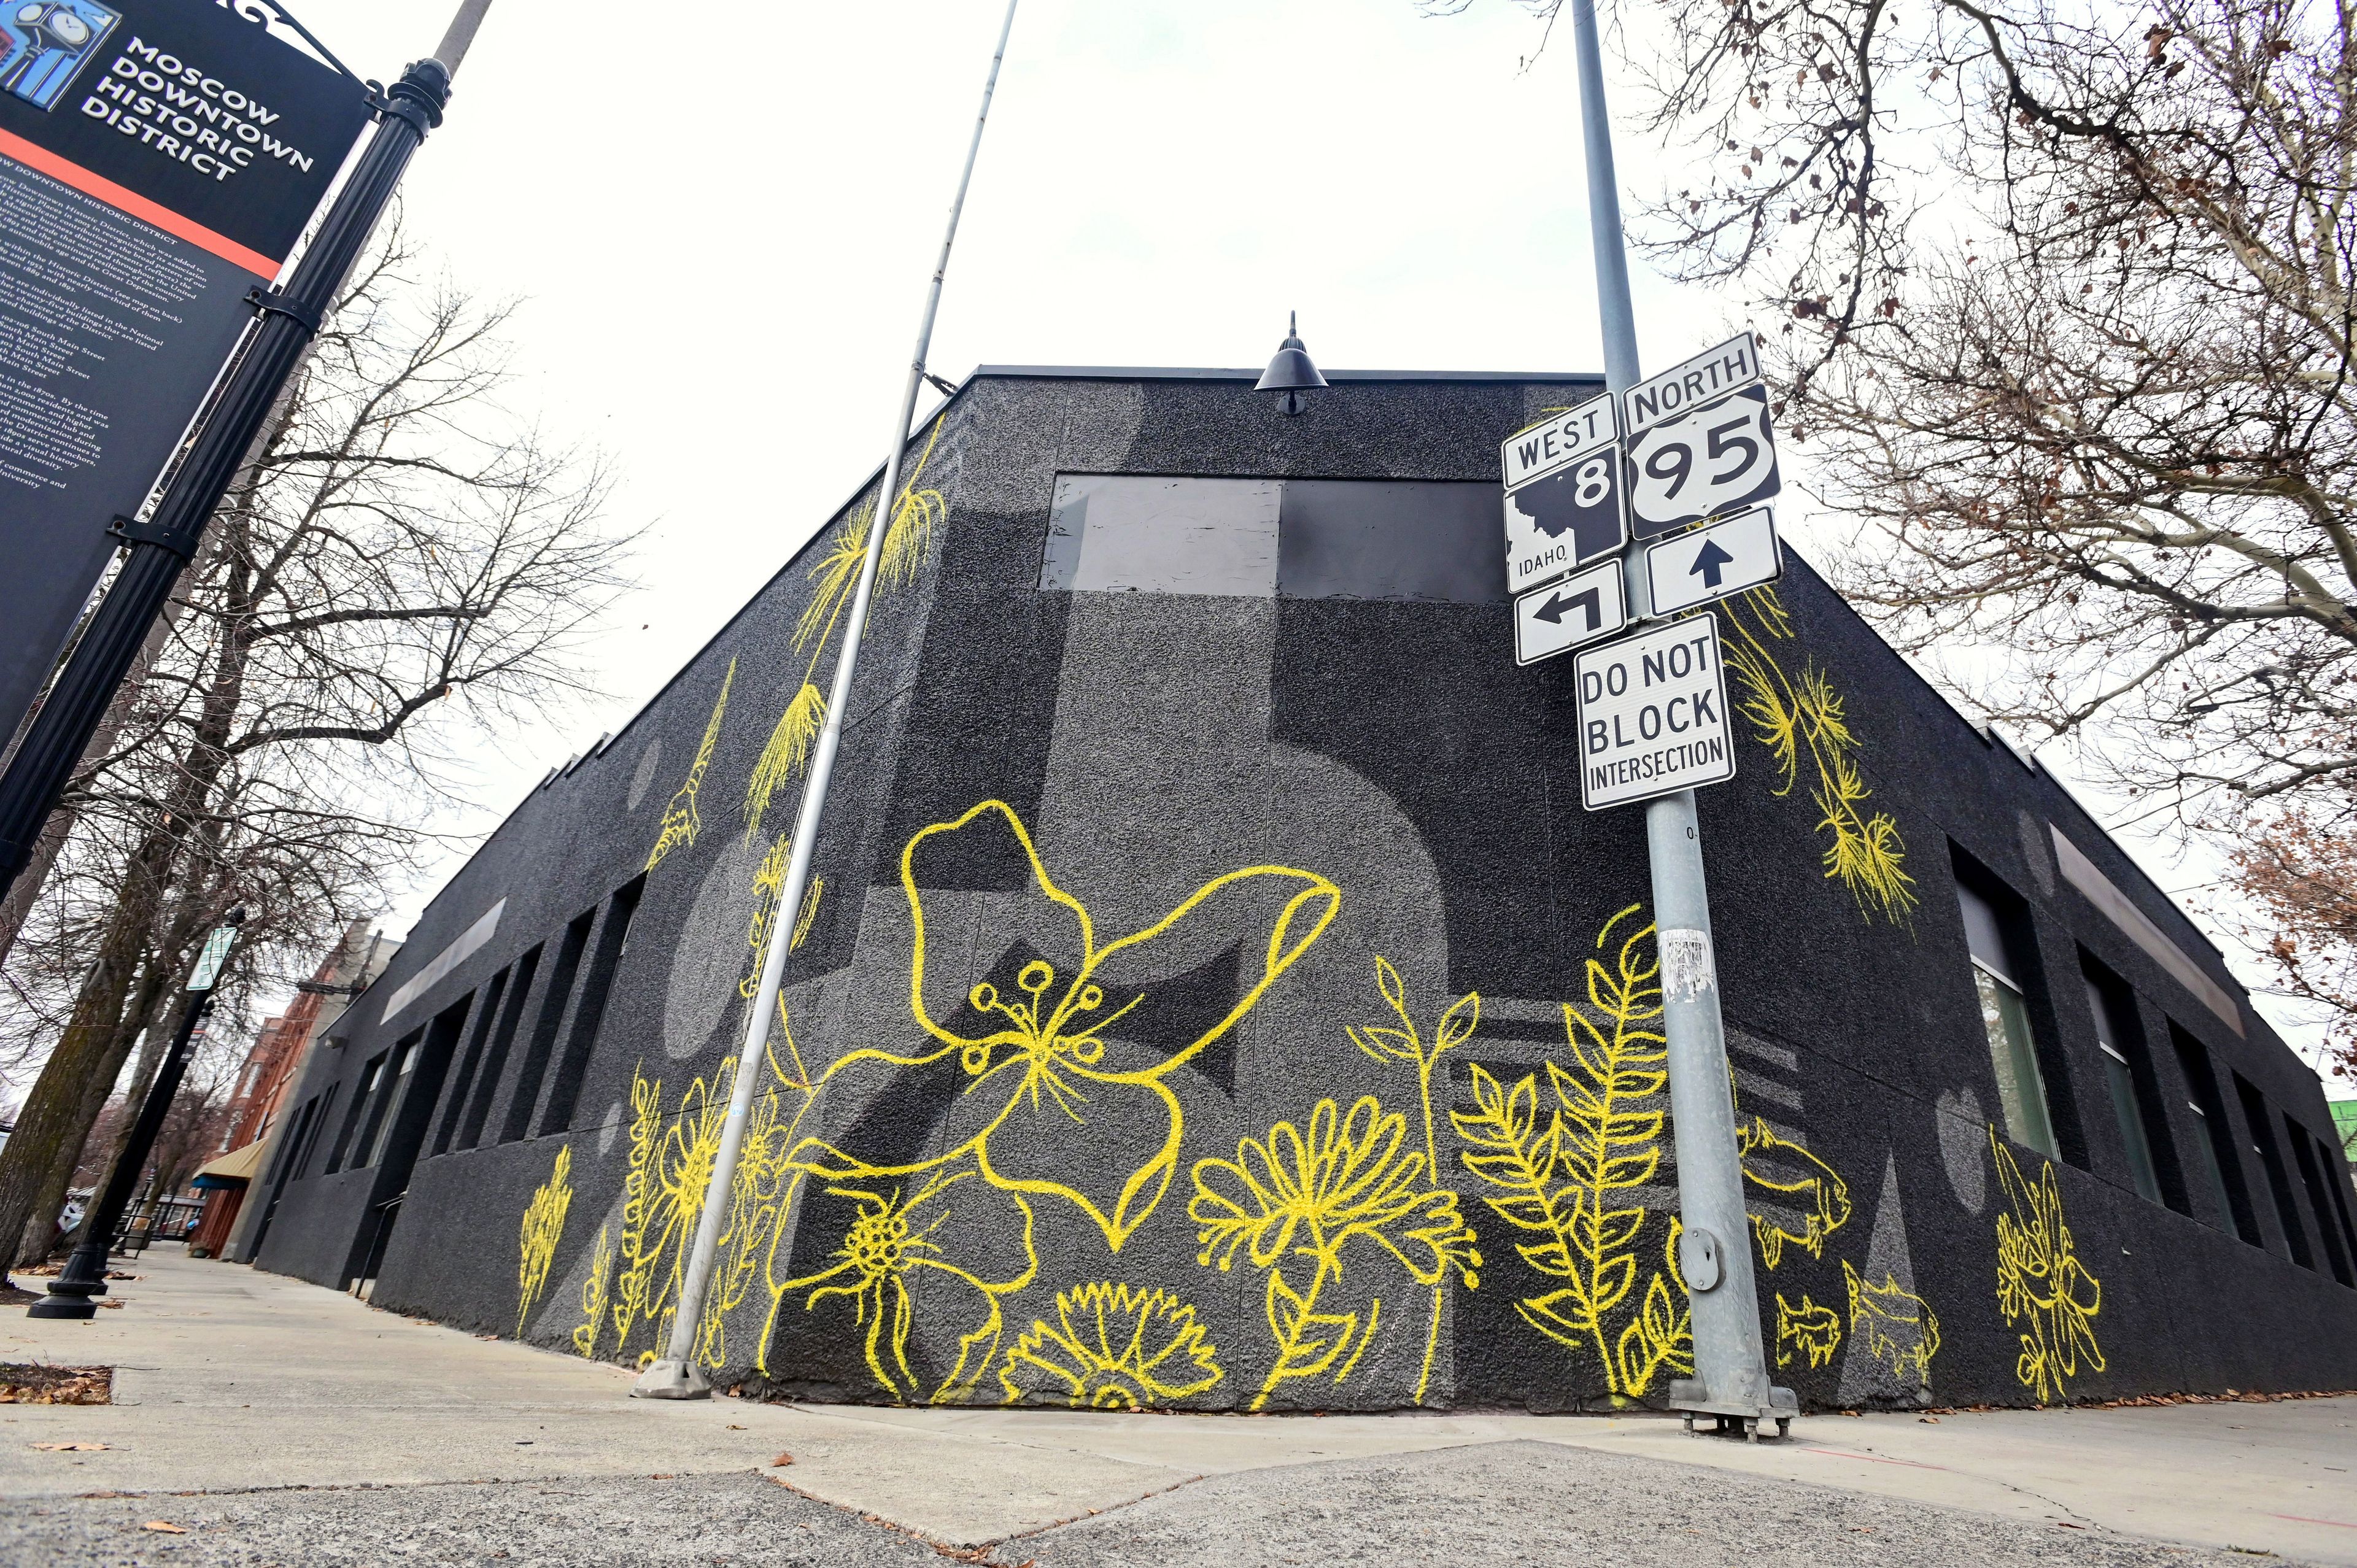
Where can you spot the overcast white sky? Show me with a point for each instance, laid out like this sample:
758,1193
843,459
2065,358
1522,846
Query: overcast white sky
723,217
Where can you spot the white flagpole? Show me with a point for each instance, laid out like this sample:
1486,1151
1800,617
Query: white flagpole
676,1375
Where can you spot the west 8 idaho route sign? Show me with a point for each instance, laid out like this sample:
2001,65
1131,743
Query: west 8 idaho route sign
1653,715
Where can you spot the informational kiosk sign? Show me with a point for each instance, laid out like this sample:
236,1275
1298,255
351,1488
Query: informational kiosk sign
158,158
1652,714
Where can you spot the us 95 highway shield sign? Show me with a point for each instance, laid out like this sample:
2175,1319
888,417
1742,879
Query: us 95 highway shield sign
1653,715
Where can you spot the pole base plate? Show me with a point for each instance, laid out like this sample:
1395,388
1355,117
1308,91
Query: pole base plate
62,1307
1692,1395
670,1380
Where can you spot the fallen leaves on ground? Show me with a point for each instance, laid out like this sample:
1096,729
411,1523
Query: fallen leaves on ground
166,1526
782,1460
29,1382
73,1447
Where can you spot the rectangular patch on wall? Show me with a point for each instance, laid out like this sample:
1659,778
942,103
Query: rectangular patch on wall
1144,533
443,963
1404,539
2104,895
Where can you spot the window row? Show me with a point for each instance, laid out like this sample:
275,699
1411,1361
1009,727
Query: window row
2207,1180
460,1059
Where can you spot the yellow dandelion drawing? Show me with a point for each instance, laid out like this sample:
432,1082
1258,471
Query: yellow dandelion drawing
1114,1347
2040,1282
787,753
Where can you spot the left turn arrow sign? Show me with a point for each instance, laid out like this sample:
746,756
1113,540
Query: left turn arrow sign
1581,609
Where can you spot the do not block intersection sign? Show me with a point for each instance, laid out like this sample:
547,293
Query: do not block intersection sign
1653,715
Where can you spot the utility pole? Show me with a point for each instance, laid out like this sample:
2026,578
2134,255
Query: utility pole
1730,1379
273,346
676,1375
84,1274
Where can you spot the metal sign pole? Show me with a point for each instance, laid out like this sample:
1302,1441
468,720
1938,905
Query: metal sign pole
1714,1250
675,1375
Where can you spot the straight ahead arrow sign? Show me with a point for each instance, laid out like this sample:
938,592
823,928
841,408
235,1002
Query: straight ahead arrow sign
1709,562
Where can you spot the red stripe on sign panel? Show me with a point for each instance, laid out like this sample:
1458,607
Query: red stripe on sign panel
138,206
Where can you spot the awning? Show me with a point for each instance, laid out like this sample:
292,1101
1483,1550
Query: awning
237,1166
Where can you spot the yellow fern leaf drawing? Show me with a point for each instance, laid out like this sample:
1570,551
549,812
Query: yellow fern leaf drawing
1803,716
595,1291
681,820
786,753
543,1227
1560,1180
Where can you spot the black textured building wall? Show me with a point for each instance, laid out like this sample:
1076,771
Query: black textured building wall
1216,995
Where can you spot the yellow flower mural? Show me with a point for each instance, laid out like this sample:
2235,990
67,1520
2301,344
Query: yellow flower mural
1114,1347
594,1293
543,1227
1298,1195
2041,1286
1804,717
1562,1179
1042,1053
890,1236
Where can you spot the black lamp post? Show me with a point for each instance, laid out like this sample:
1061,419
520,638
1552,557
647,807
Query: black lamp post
84,1274
1290,372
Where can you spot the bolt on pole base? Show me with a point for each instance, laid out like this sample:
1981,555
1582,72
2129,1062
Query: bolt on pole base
671,1379
1751,1404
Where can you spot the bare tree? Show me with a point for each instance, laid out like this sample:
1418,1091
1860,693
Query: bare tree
404,571
2062,296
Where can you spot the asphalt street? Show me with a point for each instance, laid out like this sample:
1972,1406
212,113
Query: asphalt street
1500,1504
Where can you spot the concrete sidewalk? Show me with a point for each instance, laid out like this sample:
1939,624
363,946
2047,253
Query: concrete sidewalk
235,1383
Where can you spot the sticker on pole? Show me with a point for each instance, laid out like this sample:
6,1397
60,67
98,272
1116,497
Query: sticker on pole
1712,562
1653,715
1581,609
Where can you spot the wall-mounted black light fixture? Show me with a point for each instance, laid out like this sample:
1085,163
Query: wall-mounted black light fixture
1290,373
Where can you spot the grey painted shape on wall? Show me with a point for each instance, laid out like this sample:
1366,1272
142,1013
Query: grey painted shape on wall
1128,531
1400,540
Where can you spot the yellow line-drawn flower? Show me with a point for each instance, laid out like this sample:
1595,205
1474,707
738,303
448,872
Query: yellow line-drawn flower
1807,1329
1114,1347
681,821
1296,1196
1866,855
2040,1282
1893,1324
543,1227
663,1196
1406,1044
1046,1046
890,1236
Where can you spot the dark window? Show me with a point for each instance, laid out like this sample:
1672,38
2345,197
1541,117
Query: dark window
465,1076
362,1098
2334,1165
318,1125
2002,981
564,1094
2219,1163
288,1150
495,1064
2271,1160
534,1072
2317,1203
2135,1098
